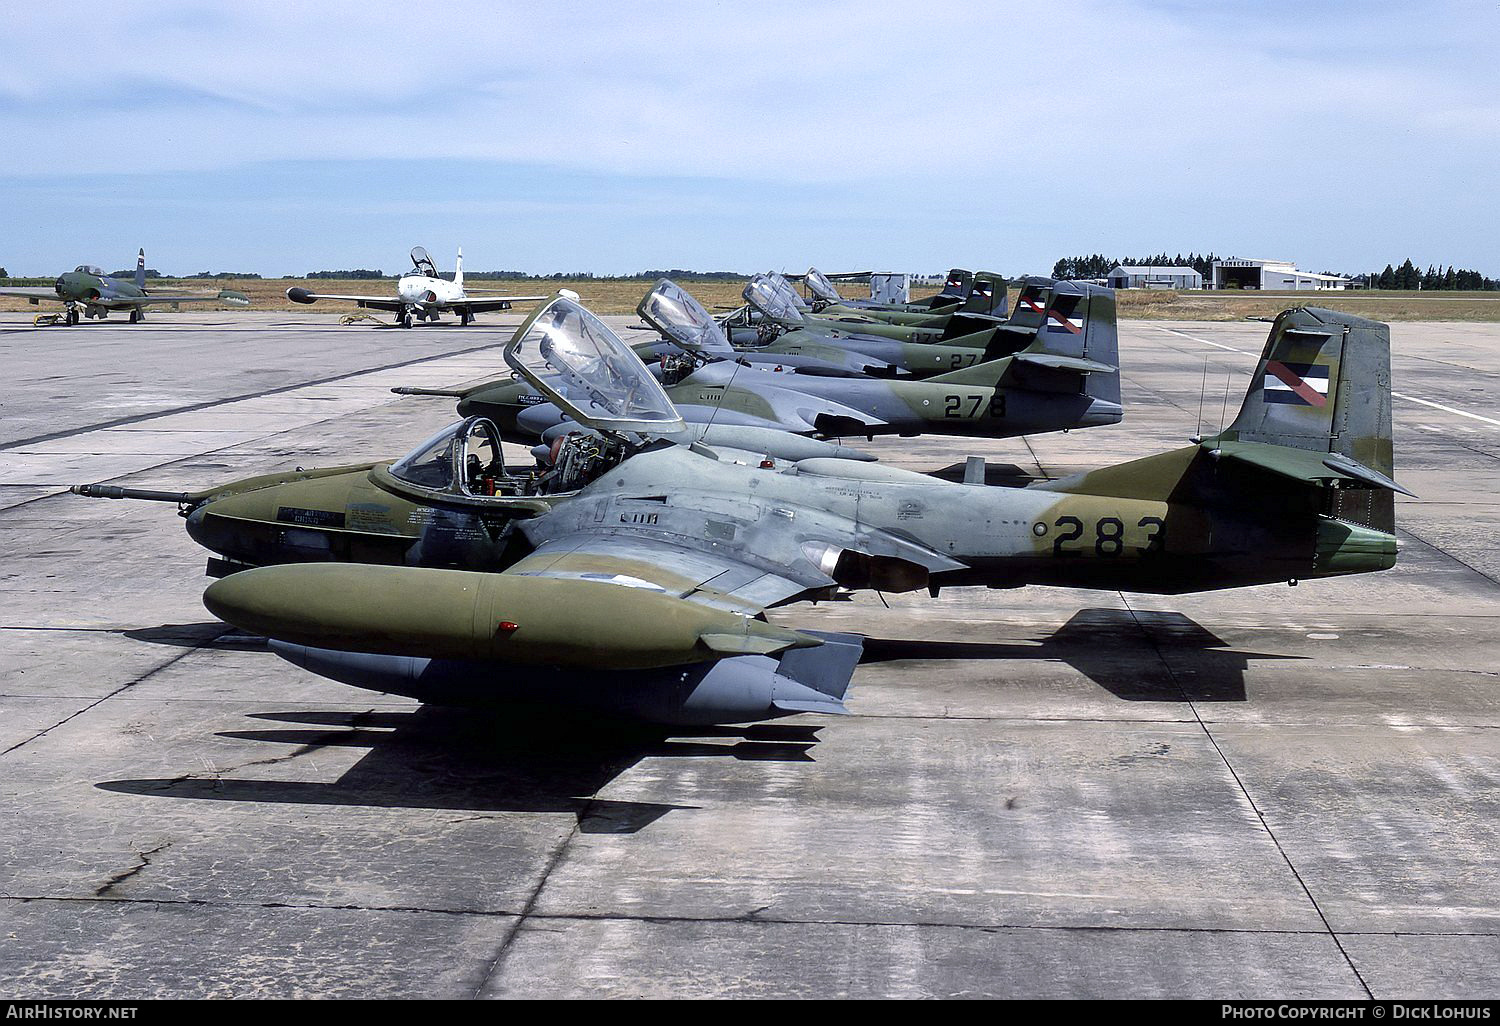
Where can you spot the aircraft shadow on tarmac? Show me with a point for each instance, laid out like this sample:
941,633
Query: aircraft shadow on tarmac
463,759
1137,657
460,759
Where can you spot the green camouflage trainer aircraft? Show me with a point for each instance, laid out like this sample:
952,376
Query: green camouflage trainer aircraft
774,300
1061,377
686,326
781,321
825,301
954,292
98,293
629,573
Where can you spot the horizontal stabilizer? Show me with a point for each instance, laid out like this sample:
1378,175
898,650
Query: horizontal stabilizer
827,706
1351,468
1077,364
1307,465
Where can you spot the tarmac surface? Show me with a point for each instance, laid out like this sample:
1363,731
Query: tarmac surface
1269,792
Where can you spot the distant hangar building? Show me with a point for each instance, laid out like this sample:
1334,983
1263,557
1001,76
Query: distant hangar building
1270,275
1127,276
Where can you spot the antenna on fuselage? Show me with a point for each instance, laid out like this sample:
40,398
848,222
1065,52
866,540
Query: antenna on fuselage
1202,390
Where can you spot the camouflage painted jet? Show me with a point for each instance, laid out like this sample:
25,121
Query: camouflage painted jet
777,318
422,293
686,326
1062,377
627,573
98,293
954,292
827,303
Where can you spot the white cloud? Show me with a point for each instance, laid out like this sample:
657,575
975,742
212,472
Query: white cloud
1078,118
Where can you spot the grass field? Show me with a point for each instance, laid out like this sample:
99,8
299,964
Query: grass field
620,297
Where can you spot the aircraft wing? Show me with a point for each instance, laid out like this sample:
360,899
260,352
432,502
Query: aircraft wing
32,293
226,296
297,295
478,304
717,578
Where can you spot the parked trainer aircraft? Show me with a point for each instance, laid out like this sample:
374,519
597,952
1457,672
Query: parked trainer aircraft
422,293
99,293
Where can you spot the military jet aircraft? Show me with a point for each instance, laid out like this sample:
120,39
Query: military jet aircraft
777,302
1061,377
825,294
686,326
773,297
98,293
826,301
422,293
629,573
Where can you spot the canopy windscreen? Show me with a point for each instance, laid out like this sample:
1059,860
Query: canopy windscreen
765,295
422,263
821,287
577,361
672,310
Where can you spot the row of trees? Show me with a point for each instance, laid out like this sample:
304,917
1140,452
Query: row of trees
1098,265
1410,276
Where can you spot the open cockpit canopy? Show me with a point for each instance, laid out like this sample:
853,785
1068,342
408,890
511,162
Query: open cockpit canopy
421,263
821,287
772,300
672,310
575,360
97,272
789,290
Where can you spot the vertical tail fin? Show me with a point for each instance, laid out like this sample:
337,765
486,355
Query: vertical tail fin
1323,386
1079,332
1075,350
458,268
140,269
955,289
987,295
1031,302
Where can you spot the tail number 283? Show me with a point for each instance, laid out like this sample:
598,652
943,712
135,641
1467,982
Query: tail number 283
1109,536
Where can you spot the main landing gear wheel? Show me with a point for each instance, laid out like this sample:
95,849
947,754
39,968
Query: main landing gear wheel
464,318
136,316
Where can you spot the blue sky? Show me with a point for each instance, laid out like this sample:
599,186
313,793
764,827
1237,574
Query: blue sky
282,138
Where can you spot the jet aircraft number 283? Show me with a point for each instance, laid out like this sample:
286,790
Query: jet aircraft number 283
631,572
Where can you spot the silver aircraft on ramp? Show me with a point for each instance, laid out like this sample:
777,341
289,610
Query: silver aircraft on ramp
422,293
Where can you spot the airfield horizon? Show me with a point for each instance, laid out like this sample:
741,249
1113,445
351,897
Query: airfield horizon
613,296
